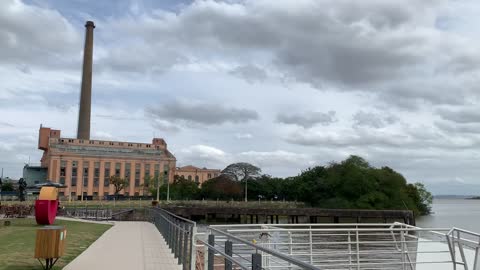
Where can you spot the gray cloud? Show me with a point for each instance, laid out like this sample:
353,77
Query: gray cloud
462,115
250,73
307,119
201,113
34,35
373,120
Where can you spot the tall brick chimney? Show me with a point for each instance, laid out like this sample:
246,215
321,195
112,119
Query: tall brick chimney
83,131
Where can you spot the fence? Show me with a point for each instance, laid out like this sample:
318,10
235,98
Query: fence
341,246
179,233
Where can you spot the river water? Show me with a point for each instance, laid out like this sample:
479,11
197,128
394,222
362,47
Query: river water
449,213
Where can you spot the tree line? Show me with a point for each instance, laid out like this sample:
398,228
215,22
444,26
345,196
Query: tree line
350,184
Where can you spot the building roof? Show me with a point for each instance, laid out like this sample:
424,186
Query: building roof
191,168
105,151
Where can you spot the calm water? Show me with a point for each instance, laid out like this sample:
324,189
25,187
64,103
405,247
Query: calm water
449,213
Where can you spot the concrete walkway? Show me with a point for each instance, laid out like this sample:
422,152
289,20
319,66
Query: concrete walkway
127,245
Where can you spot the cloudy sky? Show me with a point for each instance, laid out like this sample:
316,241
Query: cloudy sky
278,83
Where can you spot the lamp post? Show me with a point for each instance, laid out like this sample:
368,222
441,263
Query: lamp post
246,189
168,185
158,188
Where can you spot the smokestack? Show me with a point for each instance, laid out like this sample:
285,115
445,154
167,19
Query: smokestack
83,131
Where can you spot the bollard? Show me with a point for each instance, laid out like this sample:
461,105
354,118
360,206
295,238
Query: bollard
211,252
229,252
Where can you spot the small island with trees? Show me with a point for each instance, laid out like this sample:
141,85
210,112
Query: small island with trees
350,184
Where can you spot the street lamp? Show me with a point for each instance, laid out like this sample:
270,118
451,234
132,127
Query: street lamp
158,188
246,189
165,173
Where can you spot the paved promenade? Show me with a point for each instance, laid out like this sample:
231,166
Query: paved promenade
127,245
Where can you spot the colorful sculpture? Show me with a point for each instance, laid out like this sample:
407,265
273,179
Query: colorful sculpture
46,206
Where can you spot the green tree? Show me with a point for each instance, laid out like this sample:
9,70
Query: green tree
118,183
221,187
7,186
241,171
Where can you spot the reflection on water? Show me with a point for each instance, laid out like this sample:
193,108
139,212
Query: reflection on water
449,213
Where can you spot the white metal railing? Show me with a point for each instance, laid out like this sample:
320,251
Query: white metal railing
352,246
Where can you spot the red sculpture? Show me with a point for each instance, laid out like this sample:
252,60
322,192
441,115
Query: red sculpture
46,206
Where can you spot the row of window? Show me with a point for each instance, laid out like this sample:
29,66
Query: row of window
84,172
109,143
197,179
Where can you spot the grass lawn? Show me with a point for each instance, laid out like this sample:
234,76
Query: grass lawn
17,242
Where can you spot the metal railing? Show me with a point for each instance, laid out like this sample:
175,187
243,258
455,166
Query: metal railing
354,246
459,240
317,246
87,213
179,234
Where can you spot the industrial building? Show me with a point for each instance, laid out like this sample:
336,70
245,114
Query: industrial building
85,165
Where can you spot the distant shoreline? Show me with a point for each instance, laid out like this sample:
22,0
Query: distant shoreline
461,197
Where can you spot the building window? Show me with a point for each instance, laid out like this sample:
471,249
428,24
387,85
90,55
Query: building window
130,144
80,141
96,174
111,143
189,178
73,194
165,173
61,194
127,171
146,178
117,169
74,173
63,171
91,142
209,176
85,174
120,143
70,140
102,142
137,174
126,194
105,194
215,174
197,180
107,174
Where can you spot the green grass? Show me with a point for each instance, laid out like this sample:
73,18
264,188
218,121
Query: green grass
17,242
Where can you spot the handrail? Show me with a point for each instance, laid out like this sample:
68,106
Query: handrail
177,217
232,259
341,230
268,251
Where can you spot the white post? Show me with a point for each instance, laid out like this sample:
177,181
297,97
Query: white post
311,245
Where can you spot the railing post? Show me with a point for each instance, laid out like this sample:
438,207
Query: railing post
228,251
180,235
256,261
175,240
311,244
402,239
193,249
211,252
349,251
357,248
185,248
290,247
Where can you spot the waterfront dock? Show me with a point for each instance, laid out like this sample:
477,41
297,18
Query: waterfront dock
262,215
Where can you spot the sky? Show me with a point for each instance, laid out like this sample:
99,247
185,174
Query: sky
281,84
